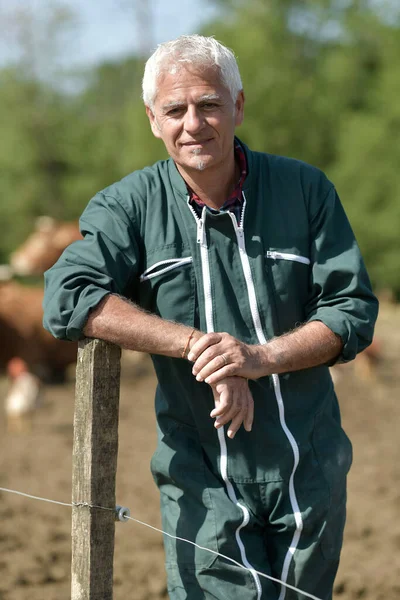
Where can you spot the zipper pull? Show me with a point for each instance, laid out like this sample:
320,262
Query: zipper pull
201,229
201,233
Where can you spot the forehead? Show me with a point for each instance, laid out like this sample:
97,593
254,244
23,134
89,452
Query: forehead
188,82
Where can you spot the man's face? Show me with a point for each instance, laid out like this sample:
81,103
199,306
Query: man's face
195,117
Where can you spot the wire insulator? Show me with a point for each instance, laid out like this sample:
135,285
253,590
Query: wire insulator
122,513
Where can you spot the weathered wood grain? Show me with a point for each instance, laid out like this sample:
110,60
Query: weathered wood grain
94,469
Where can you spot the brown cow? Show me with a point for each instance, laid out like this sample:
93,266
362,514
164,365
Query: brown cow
22,334
44,246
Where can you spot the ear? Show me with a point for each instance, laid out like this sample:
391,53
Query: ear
239,108
153,123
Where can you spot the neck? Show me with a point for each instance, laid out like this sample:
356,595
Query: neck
215,184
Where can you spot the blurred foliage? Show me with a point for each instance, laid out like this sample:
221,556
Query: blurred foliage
322,82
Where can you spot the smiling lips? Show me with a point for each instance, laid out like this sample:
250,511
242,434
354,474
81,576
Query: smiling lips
199,143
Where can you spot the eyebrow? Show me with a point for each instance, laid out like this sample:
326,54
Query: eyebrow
208,97
180,104
173,104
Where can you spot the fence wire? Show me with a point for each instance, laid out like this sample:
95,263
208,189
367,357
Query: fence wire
229,559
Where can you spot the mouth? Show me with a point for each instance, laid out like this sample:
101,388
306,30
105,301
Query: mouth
195,144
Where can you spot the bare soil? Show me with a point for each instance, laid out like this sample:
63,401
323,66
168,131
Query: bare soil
35,547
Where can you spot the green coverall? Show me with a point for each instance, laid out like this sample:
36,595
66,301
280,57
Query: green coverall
272,499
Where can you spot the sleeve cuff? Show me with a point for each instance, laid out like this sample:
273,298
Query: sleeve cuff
341,326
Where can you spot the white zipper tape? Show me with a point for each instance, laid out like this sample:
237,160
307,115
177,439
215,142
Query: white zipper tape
275,379
202,241
173,263
287,256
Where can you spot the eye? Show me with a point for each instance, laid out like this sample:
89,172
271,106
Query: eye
173,112
209,105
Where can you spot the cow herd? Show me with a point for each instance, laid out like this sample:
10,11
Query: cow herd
23,338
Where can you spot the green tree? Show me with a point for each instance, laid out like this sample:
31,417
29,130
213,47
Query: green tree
31,154
33,124
287,110
322,79
366,170
113,135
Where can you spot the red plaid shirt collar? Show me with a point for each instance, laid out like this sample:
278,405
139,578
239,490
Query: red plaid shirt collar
235,200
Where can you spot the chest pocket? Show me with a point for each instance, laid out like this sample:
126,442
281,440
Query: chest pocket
290,272
167,286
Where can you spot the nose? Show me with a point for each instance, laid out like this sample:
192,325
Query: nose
194,120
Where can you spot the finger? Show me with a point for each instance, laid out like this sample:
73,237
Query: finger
202,362
235,425
232,409
222,408
211,353
223,402
209,339
224,414
229,370
219,363
227,417
248,421
239,418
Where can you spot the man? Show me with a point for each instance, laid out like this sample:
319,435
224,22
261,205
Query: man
239,273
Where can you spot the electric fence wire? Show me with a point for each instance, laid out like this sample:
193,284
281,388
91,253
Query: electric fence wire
85,504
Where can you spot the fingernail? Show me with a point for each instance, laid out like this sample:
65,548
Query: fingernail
190,356
231,435
199,378
207,380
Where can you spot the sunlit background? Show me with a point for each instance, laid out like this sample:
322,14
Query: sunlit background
322,80
322,84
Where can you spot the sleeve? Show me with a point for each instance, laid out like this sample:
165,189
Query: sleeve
340,290
104,262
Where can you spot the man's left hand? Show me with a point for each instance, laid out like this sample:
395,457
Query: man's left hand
219,355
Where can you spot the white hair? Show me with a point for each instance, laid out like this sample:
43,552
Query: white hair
197,50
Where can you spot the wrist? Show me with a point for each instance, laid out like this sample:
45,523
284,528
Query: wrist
194,338
189,342
265,360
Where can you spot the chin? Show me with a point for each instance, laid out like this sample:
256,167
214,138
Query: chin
200,165
201,162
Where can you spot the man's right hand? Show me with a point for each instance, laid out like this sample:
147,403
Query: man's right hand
233,403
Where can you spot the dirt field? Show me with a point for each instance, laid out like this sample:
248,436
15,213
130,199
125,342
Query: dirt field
35,536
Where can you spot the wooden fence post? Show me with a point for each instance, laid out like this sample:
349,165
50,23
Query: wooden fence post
94,469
